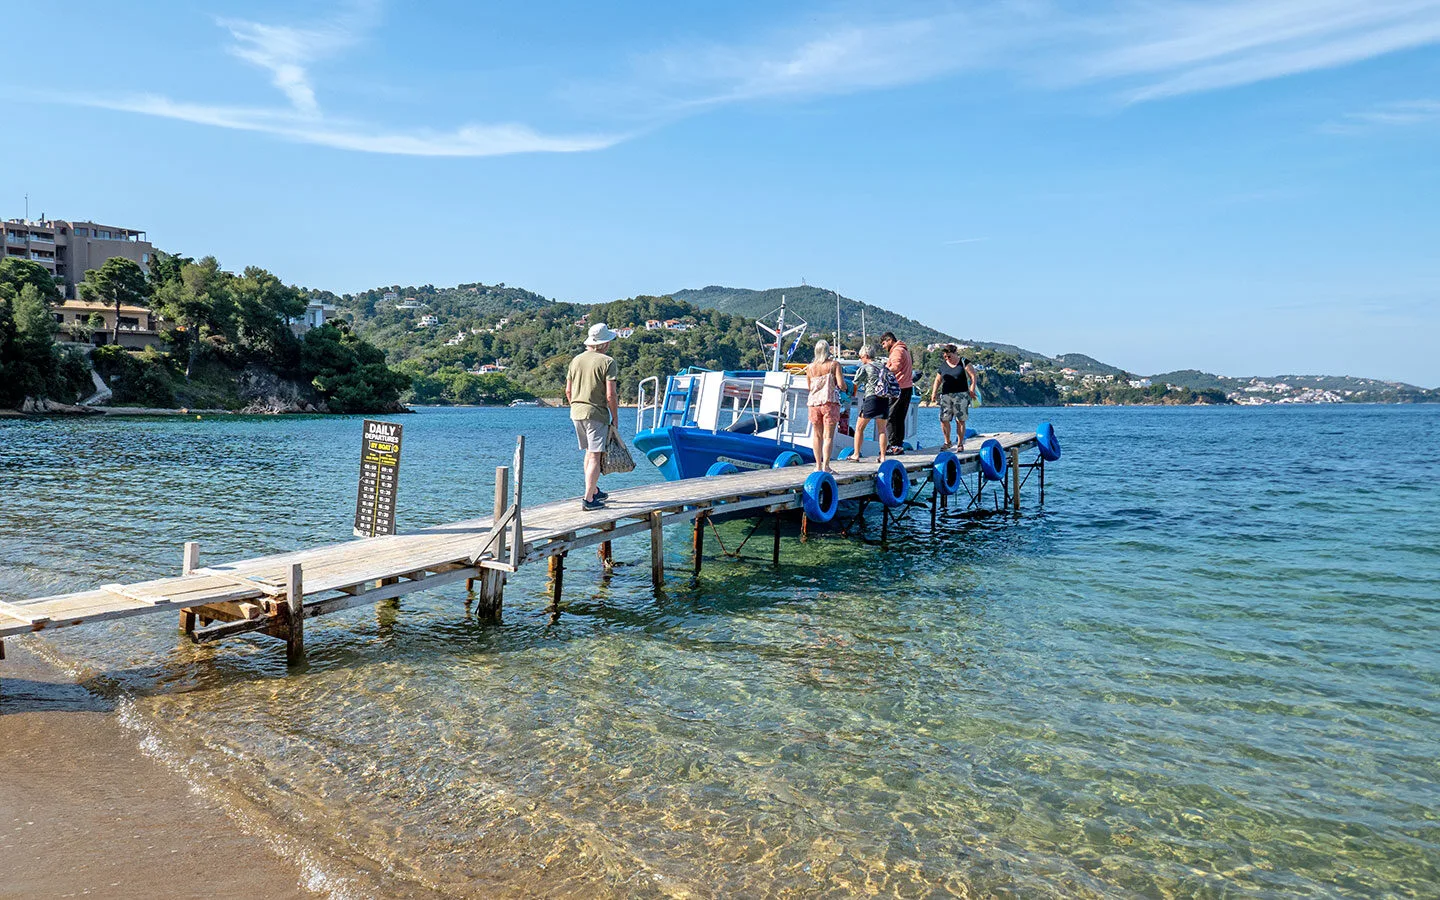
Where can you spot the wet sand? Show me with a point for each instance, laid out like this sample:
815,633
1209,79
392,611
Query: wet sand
83,811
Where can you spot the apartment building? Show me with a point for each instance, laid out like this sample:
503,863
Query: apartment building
68,250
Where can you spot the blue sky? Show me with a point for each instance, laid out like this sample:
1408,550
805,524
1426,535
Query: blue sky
1242,187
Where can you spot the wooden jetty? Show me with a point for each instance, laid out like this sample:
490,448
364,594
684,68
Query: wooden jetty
274,595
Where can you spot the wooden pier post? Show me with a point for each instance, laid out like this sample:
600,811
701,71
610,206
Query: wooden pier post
1014,468
700,540
188,565
657,550
884,524
557,580
934,505
295,615
775,551
606,552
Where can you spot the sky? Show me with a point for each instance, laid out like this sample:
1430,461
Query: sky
1239,187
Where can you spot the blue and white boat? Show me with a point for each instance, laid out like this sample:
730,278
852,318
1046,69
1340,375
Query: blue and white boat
751,419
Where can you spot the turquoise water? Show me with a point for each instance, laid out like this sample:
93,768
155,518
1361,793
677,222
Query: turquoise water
1207,668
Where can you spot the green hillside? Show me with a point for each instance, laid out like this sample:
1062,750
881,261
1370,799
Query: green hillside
450,341
1088,365
817,307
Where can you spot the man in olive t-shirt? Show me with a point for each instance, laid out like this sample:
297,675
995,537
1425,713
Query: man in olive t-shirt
591,386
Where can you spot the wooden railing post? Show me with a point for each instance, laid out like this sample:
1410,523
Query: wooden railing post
188,565
517,544
492,581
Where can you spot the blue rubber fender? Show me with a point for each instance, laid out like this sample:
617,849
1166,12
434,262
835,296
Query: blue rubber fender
992,460
947,473
1049,443
820,497
970,432
788,458
892,483
845,453
720,468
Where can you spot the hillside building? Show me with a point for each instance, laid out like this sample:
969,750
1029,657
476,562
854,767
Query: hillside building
82,321
67,250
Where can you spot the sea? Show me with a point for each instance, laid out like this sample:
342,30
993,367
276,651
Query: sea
1207,666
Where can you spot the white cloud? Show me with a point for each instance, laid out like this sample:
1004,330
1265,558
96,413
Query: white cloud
468,140
287,52
1399,113
1143,50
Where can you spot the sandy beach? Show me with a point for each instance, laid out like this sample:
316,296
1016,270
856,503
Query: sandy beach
90,814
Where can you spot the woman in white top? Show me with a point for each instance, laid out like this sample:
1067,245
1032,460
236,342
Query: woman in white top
826,383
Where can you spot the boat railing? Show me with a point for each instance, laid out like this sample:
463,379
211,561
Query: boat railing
647,402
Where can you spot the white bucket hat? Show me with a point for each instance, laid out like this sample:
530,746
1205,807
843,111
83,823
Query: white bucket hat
600,333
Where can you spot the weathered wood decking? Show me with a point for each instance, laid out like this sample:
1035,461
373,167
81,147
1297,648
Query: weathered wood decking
267,593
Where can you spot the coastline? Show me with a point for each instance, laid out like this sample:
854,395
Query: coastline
91,813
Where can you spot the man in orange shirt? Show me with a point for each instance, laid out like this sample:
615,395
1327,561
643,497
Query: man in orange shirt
903,366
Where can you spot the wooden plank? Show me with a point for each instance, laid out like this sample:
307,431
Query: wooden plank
120,590
268,590
16,612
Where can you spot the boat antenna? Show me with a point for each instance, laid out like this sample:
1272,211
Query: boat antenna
863,339
780,332
837,323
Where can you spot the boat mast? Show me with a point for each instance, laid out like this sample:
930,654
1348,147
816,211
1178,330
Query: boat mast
837,323
779,334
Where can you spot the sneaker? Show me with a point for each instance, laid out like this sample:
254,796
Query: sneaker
592,505
896,451
601,495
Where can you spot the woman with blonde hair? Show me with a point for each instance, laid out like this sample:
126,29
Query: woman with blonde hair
826,382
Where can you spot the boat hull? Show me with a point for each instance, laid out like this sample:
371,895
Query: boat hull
682,451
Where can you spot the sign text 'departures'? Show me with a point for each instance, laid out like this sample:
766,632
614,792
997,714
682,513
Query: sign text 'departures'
379,478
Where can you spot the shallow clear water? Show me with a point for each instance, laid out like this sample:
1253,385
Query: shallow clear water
1207,668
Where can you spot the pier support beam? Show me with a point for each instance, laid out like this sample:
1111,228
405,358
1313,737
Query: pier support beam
557,580
1014,468
295,615
606,552
775,551
188,565
657,550
700,540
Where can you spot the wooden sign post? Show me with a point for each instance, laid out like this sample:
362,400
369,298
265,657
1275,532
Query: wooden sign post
379,478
